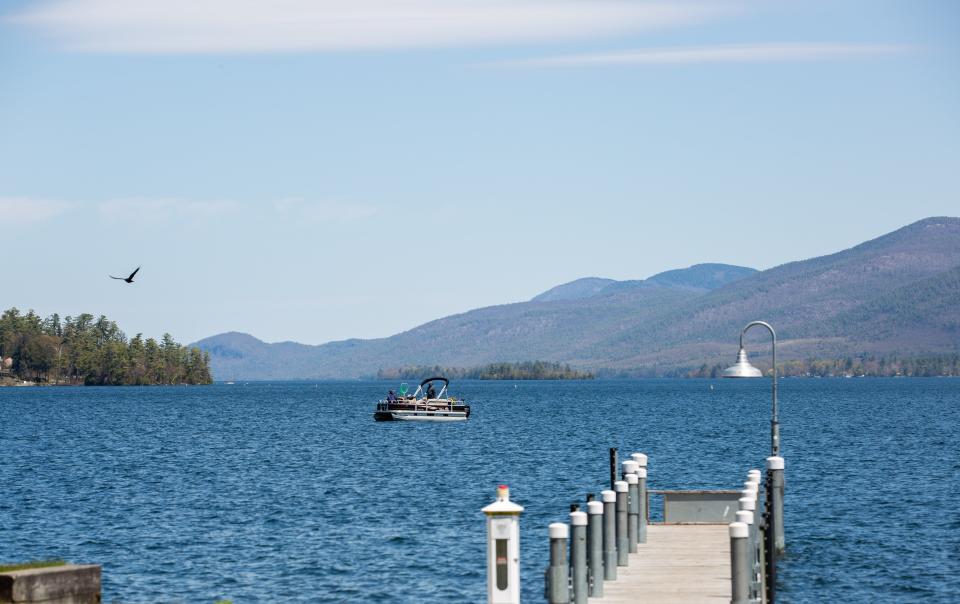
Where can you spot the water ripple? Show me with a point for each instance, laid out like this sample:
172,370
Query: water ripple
291,493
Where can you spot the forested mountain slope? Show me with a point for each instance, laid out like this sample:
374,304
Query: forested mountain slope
892,294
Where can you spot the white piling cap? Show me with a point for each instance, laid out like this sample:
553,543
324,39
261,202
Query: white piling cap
747,504
754,474
749,495
775,463
578,518
640,458
608,496
745,516
620,486
629,466
739,530
595,507
751,486
642,473
632,479
559,530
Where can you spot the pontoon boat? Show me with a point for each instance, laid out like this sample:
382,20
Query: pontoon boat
425,404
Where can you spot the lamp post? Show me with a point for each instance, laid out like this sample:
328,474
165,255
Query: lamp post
743,369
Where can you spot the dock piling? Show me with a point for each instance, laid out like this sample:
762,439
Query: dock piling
609,535
746,517
623,549
633,511
578,556
595,547
558,586
644,502
775,476
739,563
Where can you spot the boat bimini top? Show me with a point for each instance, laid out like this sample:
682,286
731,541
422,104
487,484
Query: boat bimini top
421,388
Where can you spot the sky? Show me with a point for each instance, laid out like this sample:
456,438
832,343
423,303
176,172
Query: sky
316,170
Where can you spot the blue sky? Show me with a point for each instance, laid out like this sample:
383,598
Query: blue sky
317,170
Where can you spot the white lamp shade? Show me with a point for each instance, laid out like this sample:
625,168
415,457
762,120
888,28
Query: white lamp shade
742,369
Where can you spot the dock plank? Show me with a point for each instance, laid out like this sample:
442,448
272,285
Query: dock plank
679,564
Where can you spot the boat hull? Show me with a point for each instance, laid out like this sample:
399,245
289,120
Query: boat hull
420,416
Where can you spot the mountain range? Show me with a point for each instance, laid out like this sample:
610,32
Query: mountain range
894,295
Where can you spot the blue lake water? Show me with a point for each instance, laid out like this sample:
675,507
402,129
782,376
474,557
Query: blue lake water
290,492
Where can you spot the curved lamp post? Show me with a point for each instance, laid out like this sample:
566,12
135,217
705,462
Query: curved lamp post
743,369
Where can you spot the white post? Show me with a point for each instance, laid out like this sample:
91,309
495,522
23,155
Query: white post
503,549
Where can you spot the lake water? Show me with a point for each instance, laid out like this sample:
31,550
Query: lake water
290,492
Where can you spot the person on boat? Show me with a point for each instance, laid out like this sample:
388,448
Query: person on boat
391,397
431,391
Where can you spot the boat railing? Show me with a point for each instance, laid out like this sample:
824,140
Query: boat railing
421,404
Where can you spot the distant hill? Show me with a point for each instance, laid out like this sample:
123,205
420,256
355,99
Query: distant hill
896,294
702,277
575,290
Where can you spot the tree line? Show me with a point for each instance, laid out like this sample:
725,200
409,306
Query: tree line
944,365
527,370
93,351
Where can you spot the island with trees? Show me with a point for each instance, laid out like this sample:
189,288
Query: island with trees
92,351
526,370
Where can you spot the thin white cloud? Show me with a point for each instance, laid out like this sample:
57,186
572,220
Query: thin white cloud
163,210
223,26
741,53
322,212
15,211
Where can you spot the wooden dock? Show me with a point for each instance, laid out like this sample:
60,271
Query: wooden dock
679,564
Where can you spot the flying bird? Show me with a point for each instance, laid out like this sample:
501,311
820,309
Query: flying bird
127,279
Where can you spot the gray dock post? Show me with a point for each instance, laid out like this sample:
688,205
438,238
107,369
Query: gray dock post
644,512
753,477
558,585
578,556
609,535
746,517
633,512
613,466
739,563
641,473
748,505
595,547
623,548
775,476
630,468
